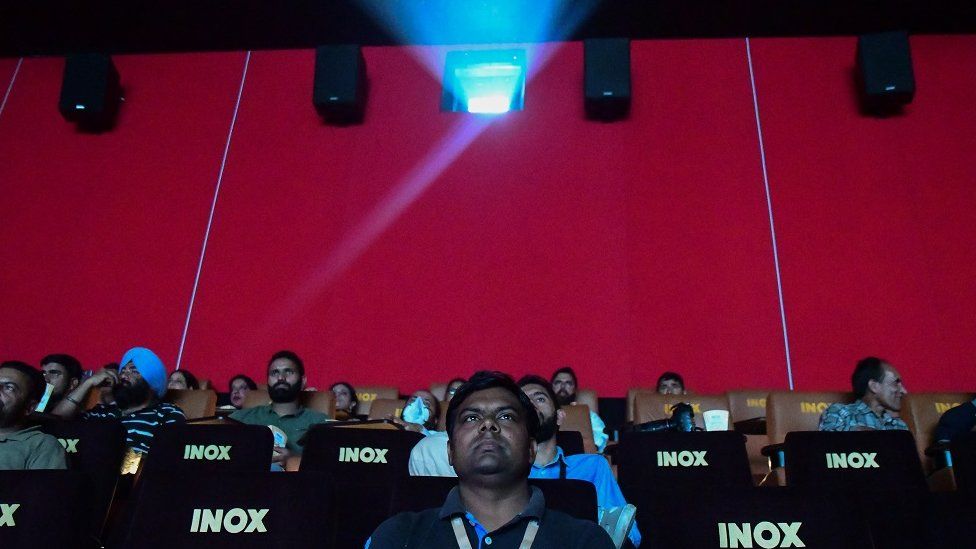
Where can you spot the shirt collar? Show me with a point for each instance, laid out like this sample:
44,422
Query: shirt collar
534,509
556,459
21,434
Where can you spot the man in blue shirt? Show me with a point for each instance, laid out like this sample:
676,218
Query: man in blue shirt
551,462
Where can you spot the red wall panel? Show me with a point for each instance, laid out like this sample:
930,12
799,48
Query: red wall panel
875,216
100,234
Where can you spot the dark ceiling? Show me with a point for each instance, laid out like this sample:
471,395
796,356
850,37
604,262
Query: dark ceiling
51,27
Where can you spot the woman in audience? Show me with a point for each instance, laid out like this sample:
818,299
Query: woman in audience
346,400
239,386
182,379
452,387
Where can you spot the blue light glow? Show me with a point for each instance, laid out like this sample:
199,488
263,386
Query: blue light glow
484,81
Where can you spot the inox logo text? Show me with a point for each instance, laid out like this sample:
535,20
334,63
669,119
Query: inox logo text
232,521
685,458
363,455
210,452
70,445
852,460
7,511
765,534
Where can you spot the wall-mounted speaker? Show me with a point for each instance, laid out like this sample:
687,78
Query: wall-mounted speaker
339,91
886,81
606,78
90,91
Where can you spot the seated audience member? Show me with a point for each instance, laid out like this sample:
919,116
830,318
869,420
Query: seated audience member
956,421
878,390
551,462
63,373
137,388
452,387
420,413
182,379
346,400
239,386
564,385
671,383
23,447
491,426
286,379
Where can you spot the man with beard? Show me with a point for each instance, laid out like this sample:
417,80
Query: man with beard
878,389
551,462
564,386
23,447
137,388
491,427
286,379
63,372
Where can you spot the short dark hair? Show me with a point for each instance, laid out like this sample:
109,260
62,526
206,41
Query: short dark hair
191,380
352,393
70,363
290,355
672,376
483,380
532,379
35,379
247,381
564,370
868,369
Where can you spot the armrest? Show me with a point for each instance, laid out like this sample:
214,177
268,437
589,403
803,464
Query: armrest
776,454
940,454
754,426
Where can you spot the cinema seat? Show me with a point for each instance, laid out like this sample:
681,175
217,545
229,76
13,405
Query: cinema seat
94,448
49,510
747,409
203,509
367,395
384,408
654,406
632,397
674,460
195,403
205,384
921,411
210,448
578,419
589,398
788,411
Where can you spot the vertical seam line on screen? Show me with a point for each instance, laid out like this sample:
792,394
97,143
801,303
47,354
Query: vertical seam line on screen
213,207
769,208
10,86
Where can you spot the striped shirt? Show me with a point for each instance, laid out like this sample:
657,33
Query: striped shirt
139,425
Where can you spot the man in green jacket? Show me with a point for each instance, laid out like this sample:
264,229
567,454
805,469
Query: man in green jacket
23,447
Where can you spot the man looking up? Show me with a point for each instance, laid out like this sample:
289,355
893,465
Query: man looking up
63,373
491,427
286,379
23,447
137,389
671,383
878,389
551,462
564,386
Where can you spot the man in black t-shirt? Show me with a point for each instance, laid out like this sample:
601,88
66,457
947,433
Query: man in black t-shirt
491,426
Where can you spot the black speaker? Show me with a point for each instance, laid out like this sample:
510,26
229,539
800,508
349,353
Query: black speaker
886,80
90,91
606,78
339,92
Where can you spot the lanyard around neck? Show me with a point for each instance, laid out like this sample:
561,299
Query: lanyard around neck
462,535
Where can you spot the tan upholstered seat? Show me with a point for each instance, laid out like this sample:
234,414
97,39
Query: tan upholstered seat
367,395
588,397
921,411
654,406
788,411
384,408
578,419
195,403
745,405
632,396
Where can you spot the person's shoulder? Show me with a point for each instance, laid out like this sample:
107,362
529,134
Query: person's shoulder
398,530
245,413
314,415
574,532
168,409
101,410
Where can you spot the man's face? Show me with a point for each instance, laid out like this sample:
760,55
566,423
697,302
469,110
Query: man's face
57,375
549,417
565,388
490,437
670,387
238,390
890,389
284,381
14,405
132,389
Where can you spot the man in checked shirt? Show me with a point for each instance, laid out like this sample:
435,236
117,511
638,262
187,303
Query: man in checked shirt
878,389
